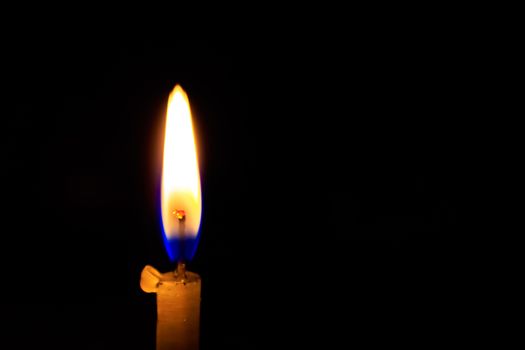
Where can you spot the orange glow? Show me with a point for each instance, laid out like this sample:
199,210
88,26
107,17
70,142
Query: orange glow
181,187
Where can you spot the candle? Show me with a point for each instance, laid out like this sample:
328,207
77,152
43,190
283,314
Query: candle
178,306
178,292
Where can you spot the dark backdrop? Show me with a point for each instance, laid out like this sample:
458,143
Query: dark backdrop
328,178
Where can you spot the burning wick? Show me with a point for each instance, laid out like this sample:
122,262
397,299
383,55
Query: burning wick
180,272
180,214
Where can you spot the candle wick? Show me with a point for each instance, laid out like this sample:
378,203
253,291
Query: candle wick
180,214
180,272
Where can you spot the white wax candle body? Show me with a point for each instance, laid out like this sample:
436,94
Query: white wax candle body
178,310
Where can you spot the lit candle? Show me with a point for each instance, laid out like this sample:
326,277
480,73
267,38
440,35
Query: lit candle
178,292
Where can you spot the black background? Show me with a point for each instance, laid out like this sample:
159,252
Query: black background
327,168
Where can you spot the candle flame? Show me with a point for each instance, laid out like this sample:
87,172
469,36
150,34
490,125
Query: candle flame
181,189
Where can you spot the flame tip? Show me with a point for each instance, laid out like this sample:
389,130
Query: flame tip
178,88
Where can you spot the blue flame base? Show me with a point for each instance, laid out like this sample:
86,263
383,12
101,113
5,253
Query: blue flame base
181,249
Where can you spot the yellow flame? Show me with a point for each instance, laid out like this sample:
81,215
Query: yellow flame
181,187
